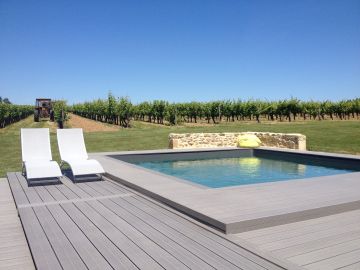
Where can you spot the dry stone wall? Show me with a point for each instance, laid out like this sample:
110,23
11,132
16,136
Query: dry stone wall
210,140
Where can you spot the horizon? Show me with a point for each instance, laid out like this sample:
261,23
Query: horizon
189,101
180,51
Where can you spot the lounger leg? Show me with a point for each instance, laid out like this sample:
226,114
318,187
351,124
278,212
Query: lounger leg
23,171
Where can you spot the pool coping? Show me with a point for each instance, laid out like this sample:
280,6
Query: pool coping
185,197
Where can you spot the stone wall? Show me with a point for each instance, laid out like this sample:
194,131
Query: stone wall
210,140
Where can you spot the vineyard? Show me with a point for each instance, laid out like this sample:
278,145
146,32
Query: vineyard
10,113
120,111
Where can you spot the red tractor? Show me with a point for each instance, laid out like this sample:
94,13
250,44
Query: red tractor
43,109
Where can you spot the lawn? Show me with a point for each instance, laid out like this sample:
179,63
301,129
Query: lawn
328,136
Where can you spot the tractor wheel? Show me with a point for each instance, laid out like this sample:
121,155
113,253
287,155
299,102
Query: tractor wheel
52,116
36,116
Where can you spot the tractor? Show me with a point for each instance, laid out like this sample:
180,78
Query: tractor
43,109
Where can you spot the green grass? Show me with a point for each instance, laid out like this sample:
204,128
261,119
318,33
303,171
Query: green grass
328,136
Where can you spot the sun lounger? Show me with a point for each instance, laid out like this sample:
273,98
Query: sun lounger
73,152
36,156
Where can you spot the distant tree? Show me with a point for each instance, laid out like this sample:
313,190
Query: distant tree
0,99
6,100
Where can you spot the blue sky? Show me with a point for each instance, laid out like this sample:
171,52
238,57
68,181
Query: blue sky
179,50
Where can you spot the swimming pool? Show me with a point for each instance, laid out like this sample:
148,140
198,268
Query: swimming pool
239,208
234,171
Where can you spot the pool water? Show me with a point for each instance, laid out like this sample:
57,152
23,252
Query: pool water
224,172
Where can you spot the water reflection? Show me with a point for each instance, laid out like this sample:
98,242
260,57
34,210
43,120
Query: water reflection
251,165
238,171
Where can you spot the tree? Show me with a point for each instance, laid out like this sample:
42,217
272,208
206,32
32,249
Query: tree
7,101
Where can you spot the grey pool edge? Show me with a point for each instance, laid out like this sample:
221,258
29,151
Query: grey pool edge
234,227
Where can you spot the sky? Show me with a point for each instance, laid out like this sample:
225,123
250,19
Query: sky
184,50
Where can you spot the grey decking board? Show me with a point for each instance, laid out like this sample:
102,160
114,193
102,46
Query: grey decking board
31,193
16,189
354,266
297,226
206,233
336,262
324,243
67,255
92,192
180,252
327,252
140,258
14,251
74,188
281,207
188,238
315,244
153,249
112,254
115,186
65,191
249,252
24,263
99,186
88,253
44,194
206,237
110,187
296,233
56,193
299,240
41,249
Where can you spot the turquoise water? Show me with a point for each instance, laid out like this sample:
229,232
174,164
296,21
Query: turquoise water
226,172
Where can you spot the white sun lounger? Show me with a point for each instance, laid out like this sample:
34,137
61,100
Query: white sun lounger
36,156
73,152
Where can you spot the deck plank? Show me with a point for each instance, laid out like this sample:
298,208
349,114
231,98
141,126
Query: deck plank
16,189
88,253
56,193
99,186
316,244
115,187
336,262
105,245
354,266
41,249
14,251
326,253
44,194
169,244
155,209
91,191
30,192
65,190
138,255
218,256
332,220
324,243
67,255
74,188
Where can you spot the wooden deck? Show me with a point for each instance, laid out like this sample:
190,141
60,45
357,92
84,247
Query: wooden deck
331,242
14,251
103,225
